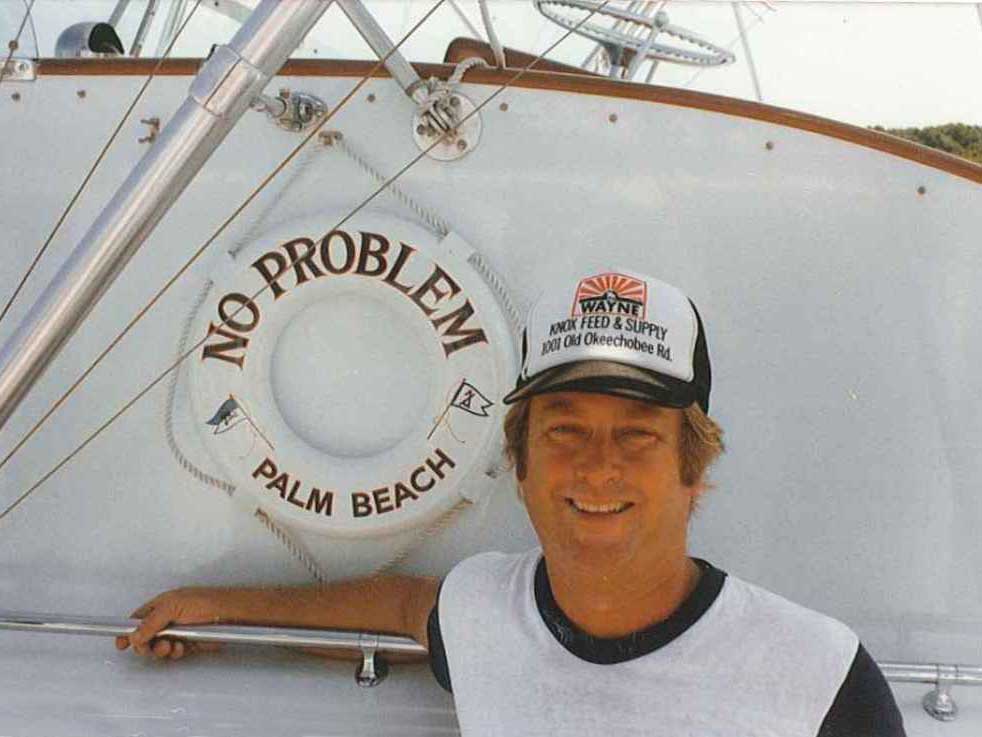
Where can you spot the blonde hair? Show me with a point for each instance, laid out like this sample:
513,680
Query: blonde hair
700,442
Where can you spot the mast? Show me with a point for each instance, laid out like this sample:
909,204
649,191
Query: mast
222,91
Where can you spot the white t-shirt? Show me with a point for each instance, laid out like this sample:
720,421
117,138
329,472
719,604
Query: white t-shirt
734,660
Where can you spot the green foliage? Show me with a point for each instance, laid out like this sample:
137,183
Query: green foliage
959,139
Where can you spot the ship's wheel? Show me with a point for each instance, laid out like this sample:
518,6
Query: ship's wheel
631,39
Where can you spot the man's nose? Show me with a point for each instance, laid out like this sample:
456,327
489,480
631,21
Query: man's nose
598,462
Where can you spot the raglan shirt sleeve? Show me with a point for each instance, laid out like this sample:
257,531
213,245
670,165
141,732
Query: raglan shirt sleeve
864,705
438,654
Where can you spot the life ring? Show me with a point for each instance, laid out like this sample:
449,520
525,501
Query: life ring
350,382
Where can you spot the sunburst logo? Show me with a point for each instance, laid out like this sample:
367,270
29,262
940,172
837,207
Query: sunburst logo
612,294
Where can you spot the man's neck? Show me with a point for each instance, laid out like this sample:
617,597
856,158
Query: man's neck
617,602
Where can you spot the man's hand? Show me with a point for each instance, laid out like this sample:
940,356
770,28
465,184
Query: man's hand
179,606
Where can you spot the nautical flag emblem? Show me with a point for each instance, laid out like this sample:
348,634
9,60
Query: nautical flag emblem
469,398
611,293
227,416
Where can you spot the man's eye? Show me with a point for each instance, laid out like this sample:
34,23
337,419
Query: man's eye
637,434
566,431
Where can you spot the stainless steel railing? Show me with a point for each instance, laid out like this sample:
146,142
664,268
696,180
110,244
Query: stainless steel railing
371,671
939,702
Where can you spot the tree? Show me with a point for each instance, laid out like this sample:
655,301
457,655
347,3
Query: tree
959,139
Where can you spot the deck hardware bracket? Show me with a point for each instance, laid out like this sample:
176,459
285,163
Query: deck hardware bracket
939,703
154,125
373,668
441,118
19,70
292,111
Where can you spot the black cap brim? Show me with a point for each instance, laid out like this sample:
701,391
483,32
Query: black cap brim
607,377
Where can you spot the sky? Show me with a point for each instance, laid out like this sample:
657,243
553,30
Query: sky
875,62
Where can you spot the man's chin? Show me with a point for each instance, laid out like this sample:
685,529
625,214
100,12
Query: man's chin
591,546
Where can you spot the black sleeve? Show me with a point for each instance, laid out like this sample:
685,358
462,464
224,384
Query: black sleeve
438,655
864,706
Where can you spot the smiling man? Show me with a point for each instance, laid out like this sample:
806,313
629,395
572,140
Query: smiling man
609,624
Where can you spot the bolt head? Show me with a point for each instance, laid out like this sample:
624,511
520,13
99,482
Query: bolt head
612,117
13,45
922,190
15,97
462,145
503,107
421,130
80,93
455,101
371,97
769,145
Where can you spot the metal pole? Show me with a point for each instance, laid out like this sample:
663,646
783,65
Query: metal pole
657,21
141,32
219,95
651,71
376,37
960,675
118,13
69,624
746,50
173,20
618,24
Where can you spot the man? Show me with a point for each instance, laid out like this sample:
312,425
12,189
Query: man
611,625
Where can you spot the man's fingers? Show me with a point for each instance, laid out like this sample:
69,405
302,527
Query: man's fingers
161,648
157,620
122,643
178,650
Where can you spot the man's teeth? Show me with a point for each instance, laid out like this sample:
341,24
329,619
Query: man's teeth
599,508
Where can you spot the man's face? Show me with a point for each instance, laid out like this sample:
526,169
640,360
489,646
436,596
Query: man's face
602,481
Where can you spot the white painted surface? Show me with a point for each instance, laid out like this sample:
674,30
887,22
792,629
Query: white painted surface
842,322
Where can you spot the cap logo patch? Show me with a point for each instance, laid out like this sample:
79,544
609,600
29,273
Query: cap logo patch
611,294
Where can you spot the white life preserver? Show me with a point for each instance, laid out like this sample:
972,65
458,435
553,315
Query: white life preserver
350,382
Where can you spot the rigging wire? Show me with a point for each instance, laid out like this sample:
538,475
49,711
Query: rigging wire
465,20
15,41
170,282
143,392
34,30
95,165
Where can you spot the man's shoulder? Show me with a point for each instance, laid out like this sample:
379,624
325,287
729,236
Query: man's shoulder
787,627
488,578
493,564
757,601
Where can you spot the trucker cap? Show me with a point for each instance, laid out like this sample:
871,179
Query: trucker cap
615,332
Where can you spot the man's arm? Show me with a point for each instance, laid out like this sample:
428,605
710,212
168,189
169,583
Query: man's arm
397,605
864,705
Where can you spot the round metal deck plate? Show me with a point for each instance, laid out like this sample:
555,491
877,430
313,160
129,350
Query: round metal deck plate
456,143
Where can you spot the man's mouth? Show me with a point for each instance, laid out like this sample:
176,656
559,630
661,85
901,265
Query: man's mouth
598,507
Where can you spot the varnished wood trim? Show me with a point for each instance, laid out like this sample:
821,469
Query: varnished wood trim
463,48
100,67
562,82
